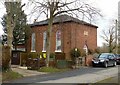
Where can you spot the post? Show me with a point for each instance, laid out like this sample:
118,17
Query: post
116,48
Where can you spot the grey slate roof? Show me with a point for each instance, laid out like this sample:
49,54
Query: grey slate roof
62,19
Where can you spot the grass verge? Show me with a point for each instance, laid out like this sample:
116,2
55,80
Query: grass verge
108,81
10,75
52,69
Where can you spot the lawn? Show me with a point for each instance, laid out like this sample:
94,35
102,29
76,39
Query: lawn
108,81
10,75
52,69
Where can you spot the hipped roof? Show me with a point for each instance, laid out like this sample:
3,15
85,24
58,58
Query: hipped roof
62,19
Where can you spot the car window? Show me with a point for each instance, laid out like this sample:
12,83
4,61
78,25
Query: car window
111,57
102,56
118,55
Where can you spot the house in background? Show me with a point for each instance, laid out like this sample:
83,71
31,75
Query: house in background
68,32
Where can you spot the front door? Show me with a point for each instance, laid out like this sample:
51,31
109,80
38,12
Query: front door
15,58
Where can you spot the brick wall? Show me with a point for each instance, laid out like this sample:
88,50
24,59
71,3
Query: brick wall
72,36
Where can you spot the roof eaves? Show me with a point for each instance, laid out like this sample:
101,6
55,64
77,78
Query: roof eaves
62,19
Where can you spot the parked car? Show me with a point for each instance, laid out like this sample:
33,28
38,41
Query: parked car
117,58
104,59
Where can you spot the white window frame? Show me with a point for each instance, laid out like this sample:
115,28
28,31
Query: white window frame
33,43
44,41
58,41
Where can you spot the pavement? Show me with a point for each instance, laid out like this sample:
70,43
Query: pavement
25,72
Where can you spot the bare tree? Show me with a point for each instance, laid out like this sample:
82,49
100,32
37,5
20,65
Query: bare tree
109,37
11,19
53,8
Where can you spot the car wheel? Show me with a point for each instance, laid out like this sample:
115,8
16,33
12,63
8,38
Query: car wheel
115,63
105,65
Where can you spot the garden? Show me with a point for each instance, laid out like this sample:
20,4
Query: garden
37,61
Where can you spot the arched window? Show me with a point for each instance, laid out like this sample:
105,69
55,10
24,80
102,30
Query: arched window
44,40
58,41
33,43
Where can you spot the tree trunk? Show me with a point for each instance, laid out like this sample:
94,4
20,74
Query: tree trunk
9,30
15,46
48,41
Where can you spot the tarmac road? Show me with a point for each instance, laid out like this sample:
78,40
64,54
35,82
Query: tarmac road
82,75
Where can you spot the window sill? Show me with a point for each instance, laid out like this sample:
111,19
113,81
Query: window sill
33,50
43,50
58,51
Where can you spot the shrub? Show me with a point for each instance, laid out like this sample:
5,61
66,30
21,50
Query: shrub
83,53
90,51
75,52
97,50
33,55
52,55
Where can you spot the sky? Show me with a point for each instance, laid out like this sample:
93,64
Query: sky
109,10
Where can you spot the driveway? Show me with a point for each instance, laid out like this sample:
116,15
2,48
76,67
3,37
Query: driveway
82,75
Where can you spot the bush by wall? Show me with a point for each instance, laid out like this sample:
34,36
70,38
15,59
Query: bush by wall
75,52
90,51
83,53
33,55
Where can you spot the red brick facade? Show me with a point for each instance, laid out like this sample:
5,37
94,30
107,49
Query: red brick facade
73,35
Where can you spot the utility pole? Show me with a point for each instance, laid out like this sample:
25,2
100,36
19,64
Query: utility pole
119,27
116,36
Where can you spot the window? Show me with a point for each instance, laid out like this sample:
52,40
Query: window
85,48
58,41
33,43
44,41
86,33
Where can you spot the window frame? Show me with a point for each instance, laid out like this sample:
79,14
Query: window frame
58,40
33,39
44,41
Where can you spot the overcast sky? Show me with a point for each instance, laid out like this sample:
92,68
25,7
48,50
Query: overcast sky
109,10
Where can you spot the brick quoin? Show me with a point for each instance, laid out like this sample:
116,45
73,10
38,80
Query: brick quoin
72,35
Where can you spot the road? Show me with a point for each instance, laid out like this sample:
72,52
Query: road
82,75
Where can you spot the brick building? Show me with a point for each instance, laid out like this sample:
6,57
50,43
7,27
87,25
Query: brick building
67,33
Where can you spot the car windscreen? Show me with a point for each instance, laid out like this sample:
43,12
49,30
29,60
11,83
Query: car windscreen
103,56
